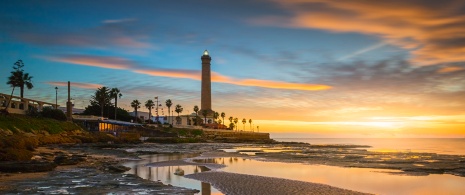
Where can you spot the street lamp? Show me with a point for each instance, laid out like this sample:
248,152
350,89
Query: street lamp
156,98
56,98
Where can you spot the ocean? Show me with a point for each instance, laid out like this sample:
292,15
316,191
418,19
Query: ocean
454,146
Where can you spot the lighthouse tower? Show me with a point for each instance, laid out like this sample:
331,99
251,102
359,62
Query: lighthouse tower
206,98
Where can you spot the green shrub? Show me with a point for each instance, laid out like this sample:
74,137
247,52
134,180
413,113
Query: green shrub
56,114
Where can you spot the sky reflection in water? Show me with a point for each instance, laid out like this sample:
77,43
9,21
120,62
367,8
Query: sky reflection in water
359,179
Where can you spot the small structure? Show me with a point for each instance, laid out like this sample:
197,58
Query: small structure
94,123
20,105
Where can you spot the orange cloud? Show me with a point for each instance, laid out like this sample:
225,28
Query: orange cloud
119,63
185,74
450,69
74,84
102,62
432,31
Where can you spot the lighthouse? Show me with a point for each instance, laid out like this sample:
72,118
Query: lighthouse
206,92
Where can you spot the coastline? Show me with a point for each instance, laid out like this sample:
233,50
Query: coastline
100,156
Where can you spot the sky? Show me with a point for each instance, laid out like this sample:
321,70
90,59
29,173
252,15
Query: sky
297,68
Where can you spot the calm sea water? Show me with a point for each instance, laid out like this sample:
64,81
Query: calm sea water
454,146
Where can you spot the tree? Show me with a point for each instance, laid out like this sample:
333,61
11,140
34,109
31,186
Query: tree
231,126
136,105
204,114
23,79
101,98
178,109
18,79
196,110
149,105
222,116
115,94
250,123
169,104
219,122
216,115
243,122
231,121
235,122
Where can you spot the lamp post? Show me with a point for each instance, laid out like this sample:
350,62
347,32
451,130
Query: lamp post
156,98
56,98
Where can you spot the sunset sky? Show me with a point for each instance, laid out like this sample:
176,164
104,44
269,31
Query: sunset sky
298,68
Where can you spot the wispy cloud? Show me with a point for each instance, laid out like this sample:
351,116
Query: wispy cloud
75,84
433,31
120,63
102,62
450,69
362,51
119,20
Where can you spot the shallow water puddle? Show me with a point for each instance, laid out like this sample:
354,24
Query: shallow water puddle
378,181
172,175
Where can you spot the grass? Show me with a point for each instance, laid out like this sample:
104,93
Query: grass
17,123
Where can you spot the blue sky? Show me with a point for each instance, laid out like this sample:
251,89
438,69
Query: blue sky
351,61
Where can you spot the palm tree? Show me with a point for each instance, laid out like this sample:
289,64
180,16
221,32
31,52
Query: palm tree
205,113
149,105
101,98
243,122
250,123
23,79
115,94
18,79
231,121
216,115
196,110
136,105
168,104
222,116
178,109
235,122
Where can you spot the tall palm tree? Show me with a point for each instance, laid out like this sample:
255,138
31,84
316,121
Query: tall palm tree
115,94
178,109
136,105
149,105
102,98
230,121
235,122
25,81
216,115
243,122
169,104
205,113
250,123
23,78
196,110
222,116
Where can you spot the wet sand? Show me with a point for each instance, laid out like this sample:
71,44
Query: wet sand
240,184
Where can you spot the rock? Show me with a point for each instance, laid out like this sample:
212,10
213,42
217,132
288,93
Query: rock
118,168
36,157
67,160
27,167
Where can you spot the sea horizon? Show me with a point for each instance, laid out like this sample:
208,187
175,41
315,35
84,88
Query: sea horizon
452,146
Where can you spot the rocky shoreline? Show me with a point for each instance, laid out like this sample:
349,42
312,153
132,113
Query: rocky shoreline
96,168
89,171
